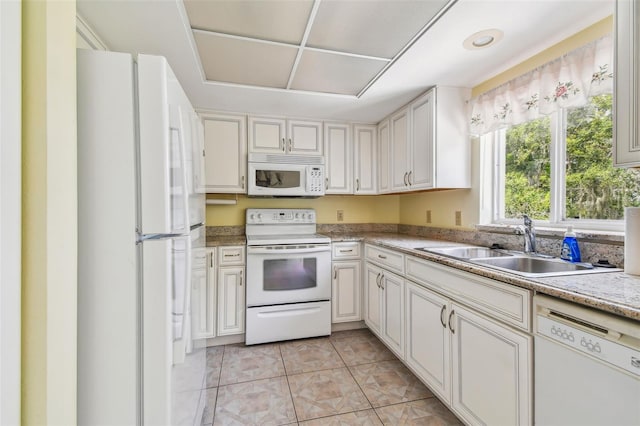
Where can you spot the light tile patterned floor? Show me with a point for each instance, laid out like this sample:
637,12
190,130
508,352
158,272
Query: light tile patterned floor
350,378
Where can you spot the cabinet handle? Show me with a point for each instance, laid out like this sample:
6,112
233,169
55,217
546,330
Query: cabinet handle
378,280
381,256
290,144
409,178
203,154
240,278
450,327
357,184
242,182
211,259
326,183
284,145
335,273
442,311
382,281
232,255
405,178
346,251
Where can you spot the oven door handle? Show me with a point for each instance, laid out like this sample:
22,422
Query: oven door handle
264,250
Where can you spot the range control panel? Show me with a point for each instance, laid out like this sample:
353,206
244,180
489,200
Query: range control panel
280,216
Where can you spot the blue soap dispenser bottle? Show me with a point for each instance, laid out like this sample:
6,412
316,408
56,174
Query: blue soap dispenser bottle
570,249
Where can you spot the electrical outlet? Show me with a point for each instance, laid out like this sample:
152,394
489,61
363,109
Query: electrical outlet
340,215
458,218
428,216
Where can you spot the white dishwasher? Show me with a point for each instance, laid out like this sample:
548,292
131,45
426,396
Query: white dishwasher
587,366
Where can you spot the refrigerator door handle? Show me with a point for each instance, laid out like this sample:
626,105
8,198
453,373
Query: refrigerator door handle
184,189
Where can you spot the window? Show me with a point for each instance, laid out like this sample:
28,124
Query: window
552,133
558,169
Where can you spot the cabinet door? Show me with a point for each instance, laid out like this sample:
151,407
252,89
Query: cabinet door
364,164
203,295
400,150
305,137
267,134
372,298
225,146
337,147
428,338
393,312
345,292
491,367
384,157
421,158
231,300
626,149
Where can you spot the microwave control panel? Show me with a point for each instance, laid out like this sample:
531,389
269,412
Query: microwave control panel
315,180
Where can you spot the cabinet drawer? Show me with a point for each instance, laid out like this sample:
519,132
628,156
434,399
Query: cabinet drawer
230,255
385,258
343,251
498,300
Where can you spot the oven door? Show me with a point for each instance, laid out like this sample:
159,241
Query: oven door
279,274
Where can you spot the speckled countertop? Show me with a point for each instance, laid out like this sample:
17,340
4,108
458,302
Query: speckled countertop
226,240
614,292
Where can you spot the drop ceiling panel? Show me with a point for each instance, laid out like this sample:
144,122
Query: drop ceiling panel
242,61
283,21
332,73
374,28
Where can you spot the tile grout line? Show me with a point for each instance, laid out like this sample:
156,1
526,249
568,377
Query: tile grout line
286,375
215,403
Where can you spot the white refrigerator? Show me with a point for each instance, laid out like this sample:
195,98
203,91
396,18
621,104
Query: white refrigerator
140,220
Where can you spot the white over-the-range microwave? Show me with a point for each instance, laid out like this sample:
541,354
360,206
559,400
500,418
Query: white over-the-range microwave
275,175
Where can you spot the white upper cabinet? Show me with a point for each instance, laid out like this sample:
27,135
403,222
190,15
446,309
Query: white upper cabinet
338,158
400,149
428,143
225,152
626,138
384,159
364,164
276,135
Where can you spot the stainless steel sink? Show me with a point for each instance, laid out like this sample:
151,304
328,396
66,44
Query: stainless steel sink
466,252
539,267
518,263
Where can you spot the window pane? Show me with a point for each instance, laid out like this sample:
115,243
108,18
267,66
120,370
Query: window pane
528,170
594,188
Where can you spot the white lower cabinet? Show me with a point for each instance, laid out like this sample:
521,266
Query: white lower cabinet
203,294
491,366
372,298
384,306
481,367
345,291
428,338
231,300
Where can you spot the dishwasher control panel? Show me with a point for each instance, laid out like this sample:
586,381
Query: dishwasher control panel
605,337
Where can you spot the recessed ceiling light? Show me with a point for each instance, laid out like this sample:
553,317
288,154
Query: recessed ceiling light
483,39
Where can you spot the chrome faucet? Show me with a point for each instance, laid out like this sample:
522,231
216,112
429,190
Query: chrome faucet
529,234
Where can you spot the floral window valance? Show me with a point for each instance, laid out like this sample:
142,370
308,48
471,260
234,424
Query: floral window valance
568,81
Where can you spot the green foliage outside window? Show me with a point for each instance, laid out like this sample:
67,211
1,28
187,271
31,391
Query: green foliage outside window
528,170
594,188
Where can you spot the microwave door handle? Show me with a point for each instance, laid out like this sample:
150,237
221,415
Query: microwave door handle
264,250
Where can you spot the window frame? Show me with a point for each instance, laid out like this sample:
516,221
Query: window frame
495,143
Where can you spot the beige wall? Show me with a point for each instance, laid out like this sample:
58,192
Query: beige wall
49,249
357,209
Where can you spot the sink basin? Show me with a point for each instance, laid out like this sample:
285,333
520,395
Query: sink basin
538,267
466,252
